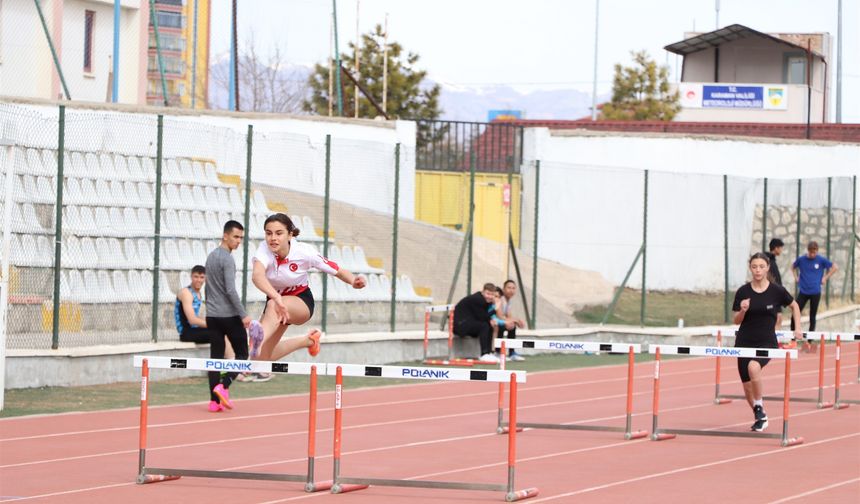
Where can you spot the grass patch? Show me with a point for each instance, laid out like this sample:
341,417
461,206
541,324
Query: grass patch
194,389
662,308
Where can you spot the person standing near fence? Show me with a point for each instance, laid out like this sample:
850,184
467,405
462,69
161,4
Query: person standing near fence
281,267
809,273
755,308
225,315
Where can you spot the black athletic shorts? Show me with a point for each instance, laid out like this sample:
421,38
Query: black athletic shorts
306,296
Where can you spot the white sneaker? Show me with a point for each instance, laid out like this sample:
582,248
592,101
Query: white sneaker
516,357
488,357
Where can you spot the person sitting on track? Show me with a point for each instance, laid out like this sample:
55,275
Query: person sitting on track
225,314
472,318
755,308
281,267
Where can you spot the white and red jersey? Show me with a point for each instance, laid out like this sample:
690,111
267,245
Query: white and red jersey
289,275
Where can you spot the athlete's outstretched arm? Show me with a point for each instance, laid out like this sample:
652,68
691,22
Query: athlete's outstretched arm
356,281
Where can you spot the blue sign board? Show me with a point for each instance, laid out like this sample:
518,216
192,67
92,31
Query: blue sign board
749,97
504,115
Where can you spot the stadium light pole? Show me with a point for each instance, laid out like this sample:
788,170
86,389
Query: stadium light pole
717,9
231,99
337,70
839,64
115,82
594,79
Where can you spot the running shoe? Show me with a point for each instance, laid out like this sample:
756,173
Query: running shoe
245,377
224,395
760,419
262,377
315,336
255,334
490,357
214,407
516,357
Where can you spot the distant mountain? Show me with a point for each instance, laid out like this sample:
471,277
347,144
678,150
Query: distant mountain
473,103
459,103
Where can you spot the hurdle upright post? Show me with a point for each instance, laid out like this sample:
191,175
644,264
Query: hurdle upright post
786,441
837,404
821,403
310,485
338,422
656,435
628,428
499,428
514,495
144,396
717,398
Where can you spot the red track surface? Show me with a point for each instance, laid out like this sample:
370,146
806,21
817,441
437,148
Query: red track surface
445,431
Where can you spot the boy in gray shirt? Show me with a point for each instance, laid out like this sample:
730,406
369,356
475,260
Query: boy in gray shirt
224,312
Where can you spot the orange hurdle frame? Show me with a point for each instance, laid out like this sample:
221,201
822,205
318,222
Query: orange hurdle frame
822,349
157,474
502,427
662,434
343,484
838,402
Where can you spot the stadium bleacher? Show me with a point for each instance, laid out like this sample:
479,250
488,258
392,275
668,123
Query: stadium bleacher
108,228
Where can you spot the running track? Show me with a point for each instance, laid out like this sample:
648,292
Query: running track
445,431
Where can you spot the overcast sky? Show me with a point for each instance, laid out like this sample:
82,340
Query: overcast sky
532,44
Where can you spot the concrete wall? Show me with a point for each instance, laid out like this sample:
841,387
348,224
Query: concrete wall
591,200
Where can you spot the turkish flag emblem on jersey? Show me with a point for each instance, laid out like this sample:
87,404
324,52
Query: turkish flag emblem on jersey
294,267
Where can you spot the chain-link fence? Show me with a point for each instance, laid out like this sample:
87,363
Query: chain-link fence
121,267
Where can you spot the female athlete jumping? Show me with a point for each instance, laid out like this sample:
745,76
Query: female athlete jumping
281,267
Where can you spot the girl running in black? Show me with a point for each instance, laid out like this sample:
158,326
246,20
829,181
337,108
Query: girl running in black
756,306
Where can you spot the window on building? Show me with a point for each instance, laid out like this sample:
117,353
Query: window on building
795,69
89,27
171,2
169,19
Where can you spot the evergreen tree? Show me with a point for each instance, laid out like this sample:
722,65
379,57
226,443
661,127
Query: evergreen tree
641,92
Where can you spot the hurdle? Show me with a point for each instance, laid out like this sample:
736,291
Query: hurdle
577,347
661,434
343,484
156,474
450,360
783,336
838,402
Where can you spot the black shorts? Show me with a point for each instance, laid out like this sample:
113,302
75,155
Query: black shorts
743,362
306,296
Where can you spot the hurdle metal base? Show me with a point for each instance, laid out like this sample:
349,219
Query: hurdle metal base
820,405
144,479
723,400
164,473
598,428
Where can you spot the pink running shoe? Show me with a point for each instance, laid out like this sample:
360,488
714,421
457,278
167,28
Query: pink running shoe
315,336
214,407
255,334
224,395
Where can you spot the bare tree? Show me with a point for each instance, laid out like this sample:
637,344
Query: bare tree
264,86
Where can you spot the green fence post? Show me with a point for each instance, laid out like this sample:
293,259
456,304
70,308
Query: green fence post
394,237
58,231
472,162
726,248
853,240
249,149
829,252
325,229
644,249
764,219
159,154
535,246
799,223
